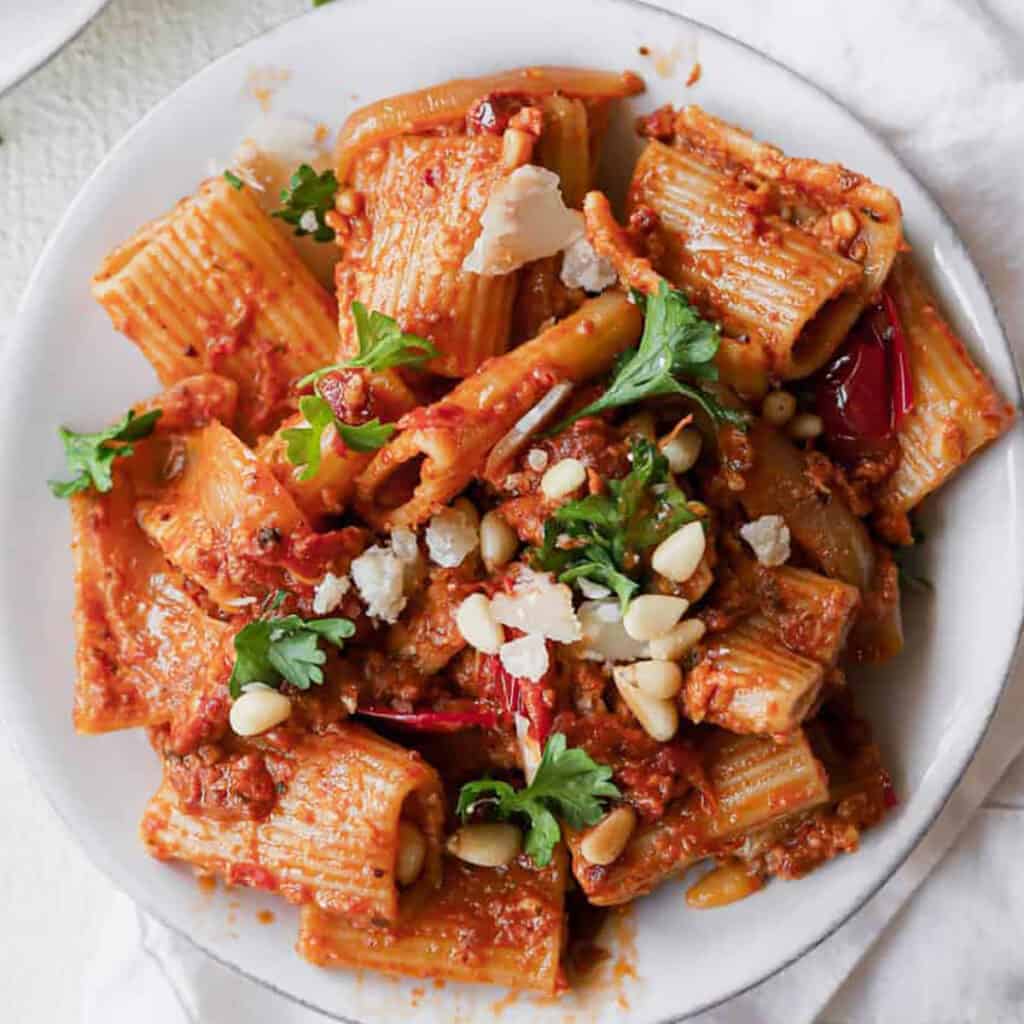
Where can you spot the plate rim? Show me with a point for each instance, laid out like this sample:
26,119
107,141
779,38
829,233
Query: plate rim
16,341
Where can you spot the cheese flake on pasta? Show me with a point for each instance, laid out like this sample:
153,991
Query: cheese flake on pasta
329,593
768,537
525,658
379,576
538,606
583,268
525,219
451,535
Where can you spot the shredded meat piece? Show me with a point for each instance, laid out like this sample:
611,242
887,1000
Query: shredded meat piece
226,787
650,774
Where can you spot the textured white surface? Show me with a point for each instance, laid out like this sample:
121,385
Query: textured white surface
954,113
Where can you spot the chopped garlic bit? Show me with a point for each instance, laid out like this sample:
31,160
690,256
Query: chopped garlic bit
379,576
769,539
308,221
526,657
525,219
451,535
583,268
539,606
329,593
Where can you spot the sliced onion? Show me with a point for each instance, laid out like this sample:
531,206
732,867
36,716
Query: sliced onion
527,425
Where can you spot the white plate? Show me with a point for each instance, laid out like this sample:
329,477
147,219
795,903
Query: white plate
65,364
33,30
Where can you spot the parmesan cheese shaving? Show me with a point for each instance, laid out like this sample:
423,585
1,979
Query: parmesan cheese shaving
768,537
583,268
329,593
538,605
526,658
525,219
452,534
379,576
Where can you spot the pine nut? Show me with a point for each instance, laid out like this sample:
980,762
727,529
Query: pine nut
412,852
640,424
778,408
486,846
671,646
563,478
259,708
498,541
659,679
537,459
678,556
650,615
725,884
844,224
805,426
468,509
683,450
478,626
658,718
605,842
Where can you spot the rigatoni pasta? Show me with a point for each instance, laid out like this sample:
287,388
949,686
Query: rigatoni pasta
332,838
956,409
213,286
536,565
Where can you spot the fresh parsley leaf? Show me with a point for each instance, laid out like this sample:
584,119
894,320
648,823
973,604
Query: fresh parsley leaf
320,3
608,532
304,443
568,783
269,650
234,181
366,437
383,345
676,343
307,200
90,456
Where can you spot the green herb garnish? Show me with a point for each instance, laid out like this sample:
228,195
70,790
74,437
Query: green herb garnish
567,783
269,650
676,343
90,456
383,345
234,181
608,532
307,200
304,442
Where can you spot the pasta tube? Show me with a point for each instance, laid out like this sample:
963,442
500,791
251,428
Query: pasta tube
332,836
213,286
439,449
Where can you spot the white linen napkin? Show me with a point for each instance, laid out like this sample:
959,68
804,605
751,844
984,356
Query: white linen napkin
943,80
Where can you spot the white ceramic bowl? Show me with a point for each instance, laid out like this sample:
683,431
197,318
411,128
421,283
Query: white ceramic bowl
65,364
34,30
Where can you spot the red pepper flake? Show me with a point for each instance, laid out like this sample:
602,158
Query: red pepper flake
434,721
899,362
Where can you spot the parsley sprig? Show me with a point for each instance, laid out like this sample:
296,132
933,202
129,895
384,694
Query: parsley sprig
383,345
676,343
304,443
608,532
90,456
288,647
568,783
307,200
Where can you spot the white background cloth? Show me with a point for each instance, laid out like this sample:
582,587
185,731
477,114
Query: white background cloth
943,80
